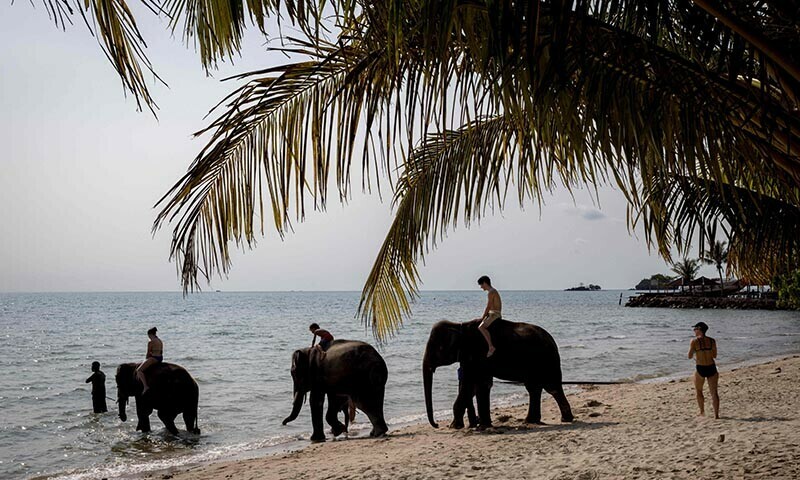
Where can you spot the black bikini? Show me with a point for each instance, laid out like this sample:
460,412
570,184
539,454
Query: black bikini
706,371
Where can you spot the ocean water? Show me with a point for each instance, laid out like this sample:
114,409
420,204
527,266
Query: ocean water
238,347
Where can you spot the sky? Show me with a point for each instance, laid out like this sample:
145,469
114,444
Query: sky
82,170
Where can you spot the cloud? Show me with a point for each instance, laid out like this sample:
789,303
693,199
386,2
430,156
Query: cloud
584,211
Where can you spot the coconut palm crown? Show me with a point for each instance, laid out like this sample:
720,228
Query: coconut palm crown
689,108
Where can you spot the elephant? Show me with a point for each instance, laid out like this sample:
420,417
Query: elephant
525,353
172,391
349,371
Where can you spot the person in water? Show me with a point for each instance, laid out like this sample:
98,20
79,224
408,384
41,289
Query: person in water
155,354
491,313
325,337
704,351
98,381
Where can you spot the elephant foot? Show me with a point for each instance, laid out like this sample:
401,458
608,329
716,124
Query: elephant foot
567,418
143,429
458,425
534,421
377,433
484,426
196,431
337,430
317,438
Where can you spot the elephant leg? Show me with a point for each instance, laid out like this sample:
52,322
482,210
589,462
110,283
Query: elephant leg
463,401
534,404
557,391
143,411
472,417
335,405
168,418
317,401
372,405
484,407
190,420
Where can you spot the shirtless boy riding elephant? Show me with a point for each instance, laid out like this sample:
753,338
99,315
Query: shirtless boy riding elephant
491,313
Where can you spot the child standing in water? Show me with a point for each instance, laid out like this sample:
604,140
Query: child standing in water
98,381
325,337
154,355
704,349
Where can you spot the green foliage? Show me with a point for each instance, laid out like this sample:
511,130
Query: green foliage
788,287
687,269
660,278
690,109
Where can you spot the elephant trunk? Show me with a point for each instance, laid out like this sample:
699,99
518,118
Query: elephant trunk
427,380
122,402
296,406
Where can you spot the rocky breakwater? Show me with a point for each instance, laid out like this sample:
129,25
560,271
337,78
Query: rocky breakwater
688,301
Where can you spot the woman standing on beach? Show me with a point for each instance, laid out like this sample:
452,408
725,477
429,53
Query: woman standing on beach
704,349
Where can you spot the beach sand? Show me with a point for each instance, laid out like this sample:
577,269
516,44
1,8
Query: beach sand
622,431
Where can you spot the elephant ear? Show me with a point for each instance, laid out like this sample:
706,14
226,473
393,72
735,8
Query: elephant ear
314,361
299,364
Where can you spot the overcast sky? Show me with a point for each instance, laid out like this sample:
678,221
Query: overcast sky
82,170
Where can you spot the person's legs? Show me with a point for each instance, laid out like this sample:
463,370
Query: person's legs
485,332
140,372
713,381
698,388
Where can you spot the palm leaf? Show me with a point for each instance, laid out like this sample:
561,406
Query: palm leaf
273,140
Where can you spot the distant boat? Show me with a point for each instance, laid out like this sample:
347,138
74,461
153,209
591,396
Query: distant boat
217,291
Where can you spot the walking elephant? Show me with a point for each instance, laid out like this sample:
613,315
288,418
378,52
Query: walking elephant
348,371
172,391
525,353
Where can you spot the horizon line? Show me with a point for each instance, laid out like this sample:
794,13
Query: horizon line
292,291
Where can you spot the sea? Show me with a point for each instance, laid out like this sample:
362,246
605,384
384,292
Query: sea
238,347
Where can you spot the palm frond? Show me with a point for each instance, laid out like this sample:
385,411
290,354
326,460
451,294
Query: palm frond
456,176
572,93
116,30
274,139
763,229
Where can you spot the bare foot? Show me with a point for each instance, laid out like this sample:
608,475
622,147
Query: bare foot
491,352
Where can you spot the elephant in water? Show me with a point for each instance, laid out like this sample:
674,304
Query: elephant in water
172,391
525,353
348,371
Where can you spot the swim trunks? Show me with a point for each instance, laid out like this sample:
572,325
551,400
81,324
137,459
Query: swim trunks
491,317
324,344
706,371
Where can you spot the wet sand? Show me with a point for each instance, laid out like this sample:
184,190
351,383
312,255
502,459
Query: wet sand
632,431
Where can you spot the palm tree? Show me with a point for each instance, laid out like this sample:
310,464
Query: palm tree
716,255
689,108
687,270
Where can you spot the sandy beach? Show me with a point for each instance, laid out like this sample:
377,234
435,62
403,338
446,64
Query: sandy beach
649,430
